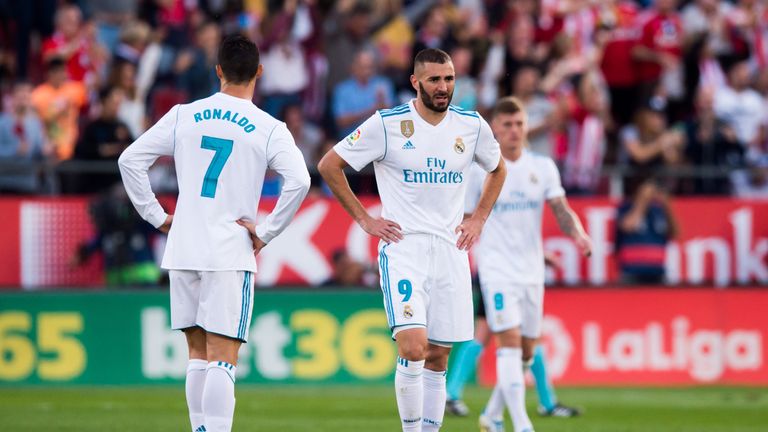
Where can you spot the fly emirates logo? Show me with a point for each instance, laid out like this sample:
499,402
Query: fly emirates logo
434,173
704,353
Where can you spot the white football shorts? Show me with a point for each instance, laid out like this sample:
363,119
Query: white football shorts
508,306
426,282
220,302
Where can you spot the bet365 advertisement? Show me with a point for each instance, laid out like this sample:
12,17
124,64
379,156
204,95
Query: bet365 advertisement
593,337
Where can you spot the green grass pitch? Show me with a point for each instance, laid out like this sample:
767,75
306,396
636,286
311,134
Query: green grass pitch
372,409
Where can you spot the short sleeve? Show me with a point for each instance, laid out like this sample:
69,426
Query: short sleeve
475,181
365,144
553,188
487,152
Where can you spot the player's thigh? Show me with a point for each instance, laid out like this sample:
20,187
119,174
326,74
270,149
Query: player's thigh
185,298
532,305
450,315
502,306
403,274
226,303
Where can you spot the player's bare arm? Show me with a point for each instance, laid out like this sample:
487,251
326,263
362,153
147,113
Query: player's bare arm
470,228
258,244
331,167
570,224
166,226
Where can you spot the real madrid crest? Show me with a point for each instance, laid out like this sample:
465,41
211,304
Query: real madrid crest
458,146
406,127
408,311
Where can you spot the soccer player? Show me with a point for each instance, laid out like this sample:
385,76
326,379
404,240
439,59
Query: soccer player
222,145
465,360
421,153
510,259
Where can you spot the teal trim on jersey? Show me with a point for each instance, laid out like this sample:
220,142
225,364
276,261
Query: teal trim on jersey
402,109
386,144
223,148
384,260
462,112
245,305
406,325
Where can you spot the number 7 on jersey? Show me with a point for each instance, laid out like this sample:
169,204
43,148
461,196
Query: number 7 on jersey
223,148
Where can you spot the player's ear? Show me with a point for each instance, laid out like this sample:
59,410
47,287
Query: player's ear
415,83
219,73
259,71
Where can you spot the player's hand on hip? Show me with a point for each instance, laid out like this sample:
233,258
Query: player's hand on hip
469,231
384,229
584,243
258,244
166,226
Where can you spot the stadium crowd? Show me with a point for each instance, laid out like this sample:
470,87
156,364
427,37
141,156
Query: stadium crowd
653,87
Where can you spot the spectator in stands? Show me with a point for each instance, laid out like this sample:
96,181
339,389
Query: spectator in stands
466,86
358,97
644,225
58,102
308,137
741,107
748,31
22,142
707,17
616,34
196,67
659,52
134,38
543,115
752,182
710,143
434,31
649,145
347,30
73,42
286,74
585,128
394,42
103,139
124,240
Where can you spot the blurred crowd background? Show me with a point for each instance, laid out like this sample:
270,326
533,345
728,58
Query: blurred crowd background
640,100
618,92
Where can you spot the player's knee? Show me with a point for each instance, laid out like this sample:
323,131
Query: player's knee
413,351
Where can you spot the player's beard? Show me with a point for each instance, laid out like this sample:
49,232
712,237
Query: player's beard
427,99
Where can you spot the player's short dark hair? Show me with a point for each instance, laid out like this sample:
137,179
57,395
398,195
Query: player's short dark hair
238,59
431,55
508,105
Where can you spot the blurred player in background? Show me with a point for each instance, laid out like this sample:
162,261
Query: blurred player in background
510,259
222,146
421,153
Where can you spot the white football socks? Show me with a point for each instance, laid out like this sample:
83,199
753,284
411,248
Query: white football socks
511,382
196,371
495,407
409,390
434,400
219,396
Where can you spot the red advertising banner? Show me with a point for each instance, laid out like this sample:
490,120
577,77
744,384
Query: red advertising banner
722,242
653,337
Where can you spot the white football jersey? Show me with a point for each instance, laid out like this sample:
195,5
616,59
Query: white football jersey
421,169
510,246
222,146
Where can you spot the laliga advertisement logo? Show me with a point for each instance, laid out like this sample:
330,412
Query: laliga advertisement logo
558,344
